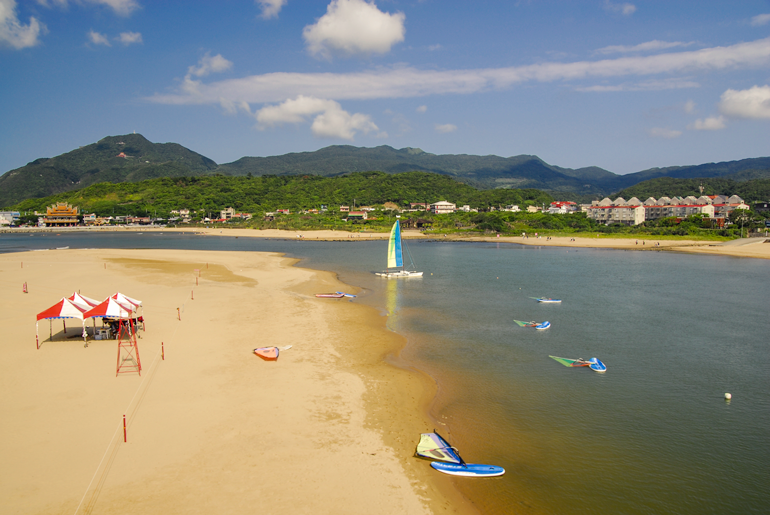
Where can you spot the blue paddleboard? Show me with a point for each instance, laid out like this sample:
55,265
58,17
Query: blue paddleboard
469,469
596,365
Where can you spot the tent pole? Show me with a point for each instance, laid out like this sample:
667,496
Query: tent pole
37,338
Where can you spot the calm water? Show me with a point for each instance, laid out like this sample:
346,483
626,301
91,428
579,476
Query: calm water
652,435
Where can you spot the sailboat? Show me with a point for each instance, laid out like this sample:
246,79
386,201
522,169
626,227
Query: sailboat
396,266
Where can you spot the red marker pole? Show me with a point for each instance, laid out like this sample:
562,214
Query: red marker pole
196,281
178,314
192,294
124,429
162,352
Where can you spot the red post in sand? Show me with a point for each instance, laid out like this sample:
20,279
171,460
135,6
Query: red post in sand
178,314
162,352
124,428
196,281
192,294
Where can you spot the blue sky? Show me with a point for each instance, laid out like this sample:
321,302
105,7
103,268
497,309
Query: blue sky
621,85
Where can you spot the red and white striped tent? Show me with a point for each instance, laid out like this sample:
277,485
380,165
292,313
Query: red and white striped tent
63,309
82,301
110,308
127,301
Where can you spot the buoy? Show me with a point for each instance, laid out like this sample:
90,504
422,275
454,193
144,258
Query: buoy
728,396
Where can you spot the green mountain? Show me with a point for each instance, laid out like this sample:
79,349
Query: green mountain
132,158
99,162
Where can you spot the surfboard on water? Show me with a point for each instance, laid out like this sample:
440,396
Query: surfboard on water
468,469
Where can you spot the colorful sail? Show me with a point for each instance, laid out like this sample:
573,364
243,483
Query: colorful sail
395,258
525,324
580,362
434,447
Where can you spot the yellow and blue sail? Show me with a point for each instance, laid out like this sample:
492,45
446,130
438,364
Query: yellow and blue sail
395,257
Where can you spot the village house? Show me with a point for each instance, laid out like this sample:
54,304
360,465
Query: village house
344,209
511,207
562,207
9,217
442,207
357,215
418,206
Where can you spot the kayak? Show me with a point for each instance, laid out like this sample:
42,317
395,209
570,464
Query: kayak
267,353
468,469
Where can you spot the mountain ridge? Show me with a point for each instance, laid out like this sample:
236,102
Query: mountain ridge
132,158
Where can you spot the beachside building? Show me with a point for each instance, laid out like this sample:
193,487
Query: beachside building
627,211
61,214
442,207
227,213
9,217
562,207
357,215
532,209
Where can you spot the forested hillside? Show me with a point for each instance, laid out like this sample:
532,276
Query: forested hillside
268,193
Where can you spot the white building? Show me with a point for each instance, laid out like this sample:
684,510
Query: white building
442,207
634,212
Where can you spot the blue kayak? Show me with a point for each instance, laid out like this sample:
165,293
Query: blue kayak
468,469
596,365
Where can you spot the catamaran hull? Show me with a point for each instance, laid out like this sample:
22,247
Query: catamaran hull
469,469
397,275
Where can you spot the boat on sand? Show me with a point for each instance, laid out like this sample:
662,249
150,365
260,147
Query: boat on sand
267,353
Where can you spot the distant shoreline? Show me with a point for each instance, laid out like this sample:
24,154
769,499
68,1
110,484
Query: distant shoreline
745,247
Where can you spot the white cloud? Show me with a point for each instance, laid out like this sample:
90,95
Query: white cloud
760,19
751,103
445,128
129,38
408,82
13,32
625,9
712,123
330,121
271,8
97,38
660,132
121,7
689,107
421,109
649,46
208,64
352,27
650,85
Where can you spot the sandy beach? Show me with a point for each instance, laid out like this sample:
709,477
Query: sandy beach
328,428
746,247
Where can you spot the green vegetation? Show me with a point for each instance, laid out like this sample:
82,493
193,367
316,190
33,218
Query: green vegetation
205,196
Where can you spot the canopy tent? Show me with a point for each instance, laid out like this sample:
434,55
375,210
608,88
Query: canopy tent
127,301
82,301
110,308
65,308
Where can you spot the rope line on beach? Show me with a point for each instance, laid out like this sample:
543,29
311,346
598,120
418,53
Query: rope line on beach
111,445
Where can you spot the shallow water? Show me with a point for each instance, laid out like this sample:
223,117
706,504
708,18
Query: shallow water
651,435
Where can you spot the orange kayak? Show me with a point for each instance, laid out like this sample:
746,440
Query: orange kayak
267,353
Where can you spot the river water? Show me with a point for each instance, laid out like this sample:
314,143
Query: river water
652,435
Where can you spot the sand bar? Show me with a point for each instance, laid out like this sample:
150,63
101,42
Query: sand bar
328,428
